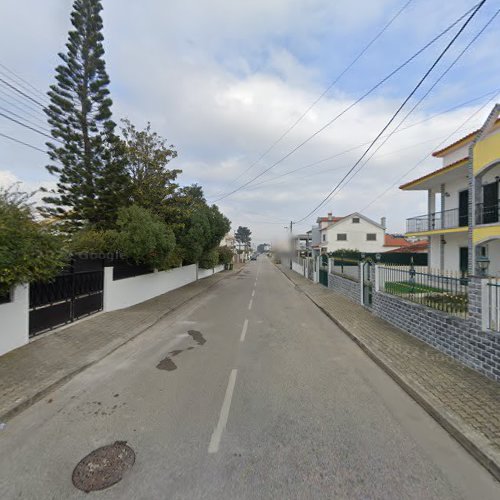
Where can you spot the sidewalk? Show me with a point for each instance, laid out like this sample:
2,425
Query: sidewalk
464,402
29,373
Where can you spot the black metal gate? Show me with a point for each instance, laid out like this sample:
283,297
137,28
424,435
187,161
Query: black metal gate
73,294
323,270
367,277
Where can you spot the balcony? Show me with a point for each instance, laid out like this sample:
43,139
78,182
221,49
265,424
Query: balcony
488,213
447,219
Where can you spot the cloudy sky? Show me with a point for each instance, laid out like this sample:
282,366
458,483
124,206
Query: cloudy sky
223,80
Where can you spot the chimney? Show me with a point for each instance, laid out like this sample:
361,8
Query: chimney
383,222
330,217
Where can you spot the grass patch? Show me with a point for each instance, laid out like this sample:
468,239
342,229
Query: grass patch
403,287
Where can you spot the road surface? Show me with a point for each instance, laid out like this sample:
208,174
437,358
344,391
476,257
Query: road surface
248,393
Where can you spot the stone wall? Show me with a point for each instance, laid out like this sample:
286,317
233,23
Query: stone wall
462,339
348,287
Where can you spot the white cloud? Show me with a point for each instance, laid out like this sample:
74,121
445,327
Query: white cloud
223,80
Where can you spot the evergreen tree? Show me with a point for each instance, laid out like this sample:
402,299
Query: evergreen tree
87,156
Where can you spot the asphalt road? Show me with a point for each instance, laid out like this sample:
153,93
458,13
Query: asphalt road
251,393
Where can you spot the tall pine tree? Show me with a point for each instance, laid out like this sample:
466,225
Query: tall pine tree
87,156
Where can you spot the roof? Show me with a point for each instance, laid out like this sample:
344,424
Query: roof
460,142
418,246
329,219
441,170
392,241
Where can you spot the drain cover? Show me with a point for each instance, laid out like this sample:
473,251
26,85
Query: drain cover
103,467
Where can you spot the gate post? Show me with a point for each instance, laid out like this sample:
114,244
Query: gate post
361,281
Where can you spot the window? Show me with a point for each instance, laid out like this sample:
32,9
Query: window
371,237
324,237
341,237
355,220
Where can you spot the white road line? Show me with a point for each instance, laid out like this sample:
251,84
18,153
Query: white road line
253,293
244,331
250,305
213,447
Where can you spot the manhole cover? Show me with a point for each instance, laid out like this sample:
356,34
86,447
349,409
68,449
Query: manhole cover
103,467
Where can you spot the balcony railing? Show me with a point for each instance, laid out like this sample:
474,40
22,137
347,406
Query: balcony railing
447,219
488,213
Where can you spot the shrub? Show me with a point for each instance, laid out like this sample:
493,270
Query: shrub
29,250
144,238
209,259
225,255
94,241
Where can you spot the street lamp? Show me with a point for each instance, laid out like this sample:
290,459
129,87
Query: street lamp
483,262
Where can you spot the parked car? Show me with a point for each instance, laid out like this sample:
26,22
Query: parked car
253,257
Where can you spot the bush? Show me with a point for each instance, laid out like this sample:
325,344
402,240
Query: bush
225,255
144,238
209,259
29,250
94,241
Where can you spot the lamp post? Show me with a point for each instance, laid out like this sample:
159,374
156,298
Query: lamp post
483,263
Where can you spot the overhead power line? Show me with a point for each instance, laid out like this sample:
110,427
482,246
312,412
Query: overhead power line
357,101
22,110
23,82
445,72
405,101
330,86
5,110
349,150
13,87
23,102
21,142
28,126
435,148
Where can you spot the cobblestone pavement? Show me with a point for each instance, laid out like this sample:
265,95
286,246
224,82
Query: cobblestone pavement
466,403
28,373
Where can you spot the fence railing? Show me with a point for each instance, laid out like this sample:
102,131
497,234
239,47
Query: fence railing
493,290
446,219
447,292
488,213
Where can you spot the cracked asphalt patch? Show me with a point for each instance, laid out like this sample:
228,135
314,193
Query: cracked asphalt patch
168,364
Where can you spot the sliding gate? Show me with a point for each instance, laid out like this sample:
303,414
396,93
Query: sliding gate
73,294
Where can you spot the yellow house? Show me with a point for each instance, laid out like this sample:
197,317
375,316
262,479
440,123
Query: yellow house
464,232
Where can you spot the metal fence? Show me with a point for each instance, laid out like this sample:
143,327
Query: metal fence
446,219
447,292
494,305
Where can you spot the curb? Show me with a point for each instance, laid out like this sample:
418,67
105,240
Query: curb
23,405
474,443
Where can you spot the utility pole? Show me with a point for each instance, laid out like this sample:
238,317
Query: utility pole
292,250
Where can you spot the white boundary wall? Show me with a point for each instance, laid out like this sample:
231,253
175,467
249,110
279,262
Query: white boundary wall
14,318
130,291
204,273
298,268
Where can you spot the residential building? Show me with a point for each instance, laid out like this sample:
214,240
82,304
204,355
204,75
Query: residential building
354,231
462,221
416,247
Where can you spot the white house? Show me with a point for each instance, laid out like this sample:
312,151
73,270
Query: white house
355,231
462,222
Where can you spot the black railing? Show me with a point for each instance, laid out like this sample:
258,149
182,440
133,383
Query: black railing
4,298
488,213
446,219
447,292
123,269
